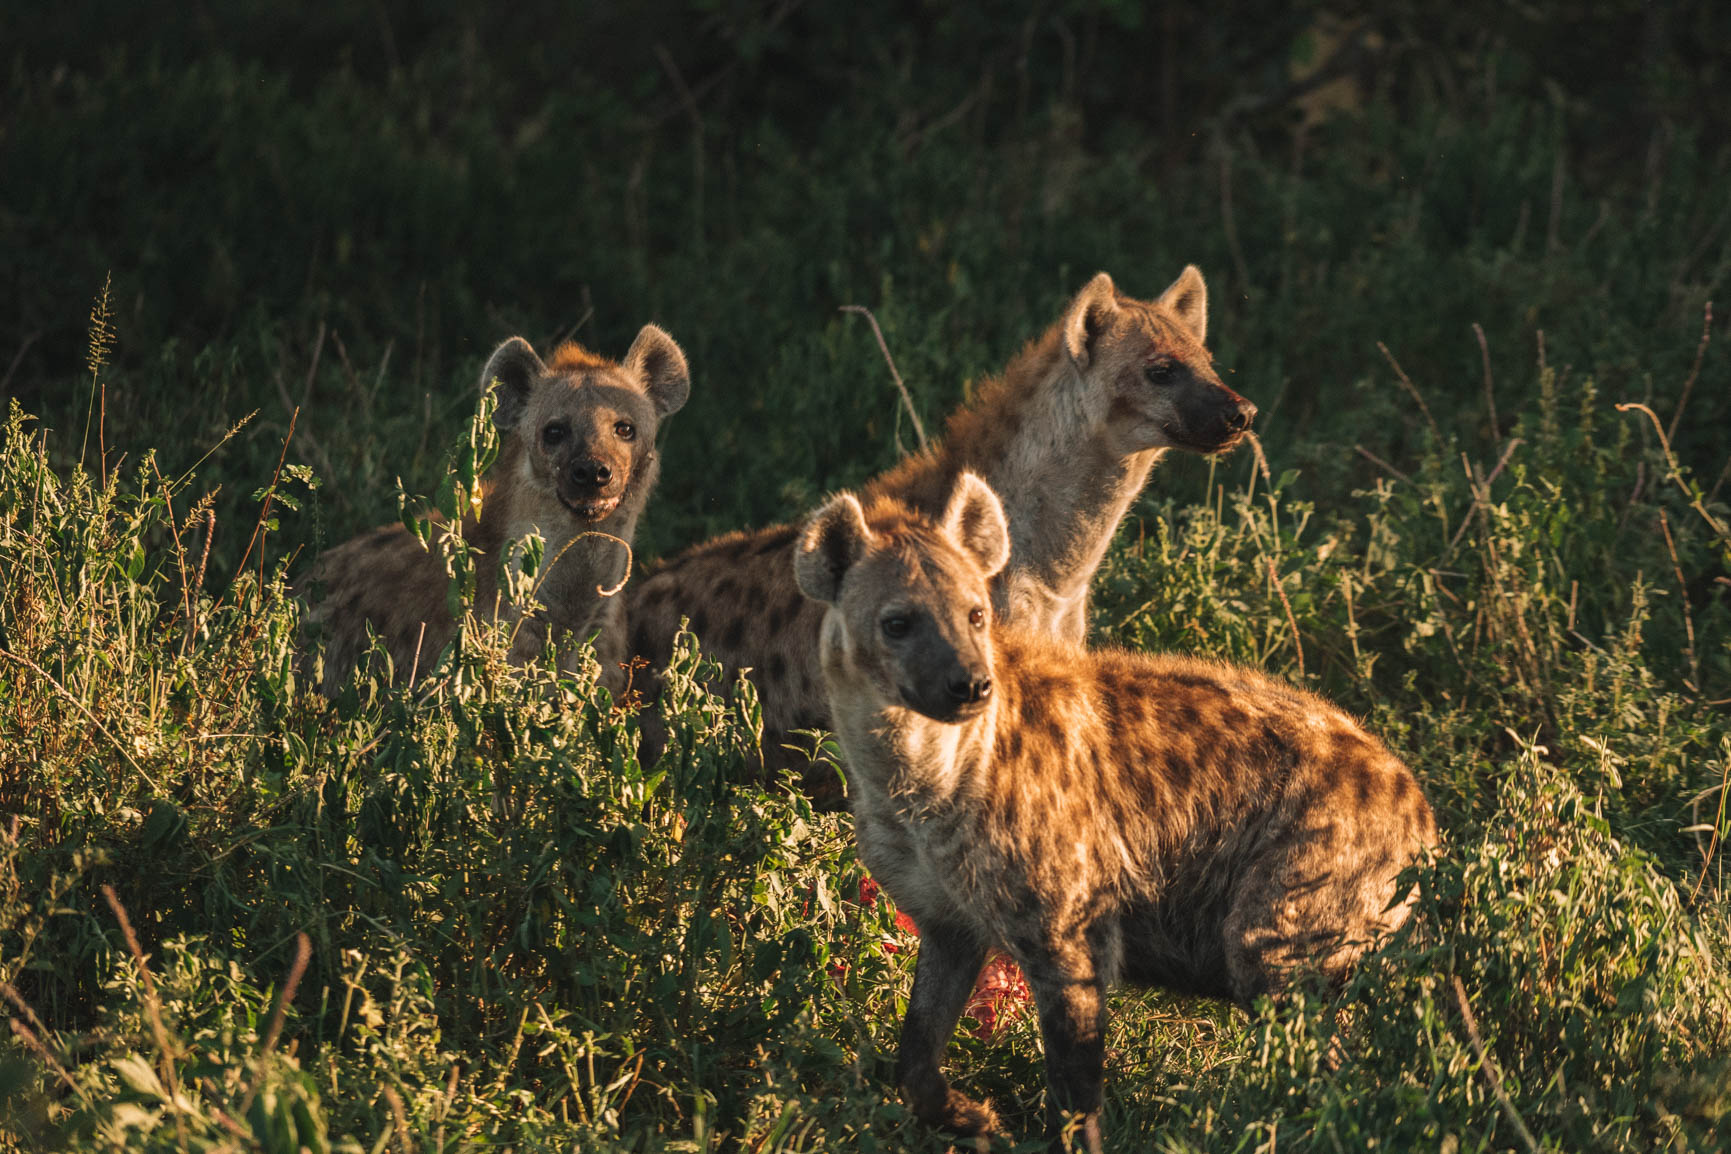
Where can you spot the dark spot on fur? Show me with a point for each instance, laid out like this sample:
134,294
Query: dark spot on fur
776,620
700,623
734,636
777,668
1178,773
1362,786
726,589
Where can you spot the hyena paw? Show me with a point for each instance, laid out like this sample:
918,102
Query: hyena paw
966,1118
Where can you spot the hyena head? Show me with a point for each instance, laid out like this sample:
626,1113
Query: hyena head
910,601
584,426
1151,382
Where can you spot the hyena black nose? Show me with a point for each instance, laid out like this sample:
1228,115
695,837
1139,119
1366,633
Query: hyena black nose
591,473
1239,418
967,689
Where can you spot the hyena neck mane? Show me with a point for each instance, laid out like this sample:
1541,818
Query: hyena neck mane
1029,435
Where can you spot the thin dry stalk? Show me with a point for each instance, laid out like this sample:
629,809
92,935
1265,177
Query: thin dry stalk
1490,393
264,509
1291,621
88,716
198,582
1694,370
297,971
1724,792
1489,1065
1682,592
399,1118
901,387
1381,464
1412,391
1695,502
152,1005
35,1045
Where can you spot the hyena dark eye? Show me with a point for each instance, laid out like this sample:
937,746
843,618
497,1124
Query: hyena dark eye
977,617
625,431
555,433
895,628
1161,372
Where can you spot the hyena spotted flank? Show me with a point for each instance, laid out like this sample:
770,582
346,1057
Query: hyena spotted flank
577,457
1098,816
1068,435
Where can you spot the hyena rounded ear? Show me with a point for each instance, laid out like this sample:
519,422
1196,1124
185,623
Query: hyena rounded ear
1187,299
1089,316
516,367
830,543
975,519
658,362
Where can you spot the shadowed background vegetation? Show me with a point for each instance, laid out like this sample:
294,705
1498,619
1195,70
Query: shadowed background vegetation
1444,245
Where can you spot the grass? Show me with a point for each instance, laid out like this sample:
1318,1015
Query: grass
1488,512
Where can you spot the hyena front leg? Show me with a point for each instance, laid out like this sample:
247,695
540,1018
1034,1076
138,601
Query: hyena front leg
951,957
1070,991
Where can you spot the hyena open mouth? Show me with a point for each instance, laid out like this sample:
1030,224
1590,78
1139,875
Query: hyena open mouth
592,510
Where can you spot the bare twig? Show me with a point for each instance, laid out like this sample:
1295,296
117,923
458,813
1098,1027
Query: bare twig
1682,592
1481,493
297,970
1490,395
901,387
35,1045
1724,791
1694,371
18,359
264,509
1291,621
1489,1066
1380,463
1695,502
88,716
152,1008
1412,391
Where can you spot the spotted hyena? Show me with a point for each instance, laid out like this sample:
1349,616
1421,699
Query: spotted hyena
1098,816
1068,435
576,464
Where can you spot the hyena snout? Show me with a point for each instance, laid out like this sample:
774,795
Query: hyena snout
969,688
591,484
1217,418
589,473
949,688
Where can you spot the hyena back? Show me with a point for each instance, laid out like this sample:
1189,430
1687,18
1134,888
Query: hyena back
1099,816
576,464
1067,435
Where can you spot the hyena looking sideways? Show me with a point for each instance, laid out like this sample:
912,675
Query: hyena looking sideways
576,464
1098,816
1068,435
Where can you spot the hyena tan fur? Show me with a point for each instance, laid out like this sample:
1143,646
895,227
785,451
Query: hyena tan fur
1068,434
576,464
1098,816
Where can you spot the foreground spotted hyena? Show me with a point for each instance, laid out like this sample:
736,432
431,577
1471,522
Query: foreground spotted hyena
1068,435
1098,816
576,464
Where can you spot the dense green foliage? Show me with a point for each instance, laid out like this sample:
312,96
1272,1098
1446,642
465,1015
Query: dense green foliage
514,934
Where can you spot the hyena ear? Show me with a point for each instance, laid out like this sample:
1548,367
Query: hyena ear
1089,315
516,367
656,360
1187,299
830,543
975,519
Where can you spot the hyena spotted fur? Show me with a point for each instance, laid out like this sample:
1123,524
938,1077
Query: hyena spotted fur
1068,435
1099,816
576,464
